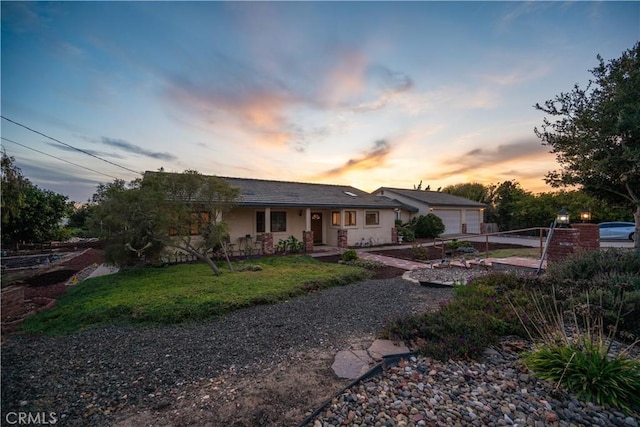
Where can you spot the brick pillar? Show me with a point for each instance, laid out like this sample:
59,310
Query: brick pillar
394,235
267,244
464,228
307,237
589,236
343,242
564,242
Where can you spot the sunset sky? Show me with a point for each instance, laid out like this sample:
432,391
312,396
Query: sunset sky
367,94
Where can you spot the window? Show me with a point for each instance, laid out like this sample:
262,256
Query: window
199,220
335,218
260,222
349,218
372,218
278,221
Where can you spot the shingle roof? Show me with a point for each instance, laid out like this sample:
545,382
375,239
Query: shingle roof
433,198
257,192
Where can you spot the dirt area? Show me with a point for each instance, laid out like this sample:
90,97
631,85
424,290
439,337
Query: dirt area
55,273
281,395
46,278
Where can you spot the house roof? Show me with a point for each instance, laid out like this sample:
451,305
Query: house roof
258,192
432,198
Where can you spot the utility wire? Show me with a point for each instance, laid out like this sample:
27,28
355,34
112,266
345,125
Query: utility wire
70,146
58,158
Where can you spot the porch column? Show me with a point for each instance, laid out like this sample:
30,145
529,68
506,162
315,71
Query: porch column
267,220
307,219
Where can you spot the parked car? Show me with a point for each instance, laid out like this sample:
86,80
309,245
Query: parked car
616,230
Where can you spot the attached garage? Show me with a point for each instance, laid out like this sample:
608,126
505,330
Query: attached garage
452,220
453,210
473,220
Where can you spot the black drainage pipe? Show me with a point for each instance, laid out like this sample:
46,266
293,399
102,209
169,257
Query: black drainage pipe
387,362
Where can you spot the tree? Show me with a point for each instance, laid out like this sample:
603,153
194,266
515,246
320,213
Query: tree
177,210
595,134
29,214
504,201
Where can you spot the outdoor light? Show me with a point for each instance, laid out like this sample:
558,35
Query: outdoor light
562,220
585,215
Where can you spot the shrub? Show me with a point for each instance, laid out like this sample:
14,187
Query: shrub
407,234
349,255
478,314
584,368
420,252
449,333
611,277
588,264
429,226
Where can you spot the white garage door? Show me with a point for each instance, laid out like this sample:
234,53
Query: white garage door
473,222
451,219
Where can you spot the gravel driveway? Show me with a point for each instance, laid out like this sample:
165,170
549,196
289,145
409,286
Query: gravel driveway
89,377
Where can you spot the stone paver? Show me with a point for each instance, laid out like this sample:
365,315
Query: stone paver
352,364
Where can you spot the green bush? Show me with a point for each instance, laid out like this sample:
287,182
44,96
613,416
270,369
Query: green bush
478,314
584,368
611,277
407,234
420,252
449,333
587,265
429,226
349,255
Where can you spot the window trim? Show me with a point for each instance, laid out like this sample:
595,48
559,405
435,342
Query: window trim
273,224
336,215
348,217
377,218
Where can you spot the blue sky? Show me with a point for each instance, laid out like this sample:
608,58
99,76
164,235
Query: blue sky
367,94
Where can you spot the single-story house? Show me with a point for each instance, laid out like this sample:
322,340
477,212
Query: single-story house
459,215
335,215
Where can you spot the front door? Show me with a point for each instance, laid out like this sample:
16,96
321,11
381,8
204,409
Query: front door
316,226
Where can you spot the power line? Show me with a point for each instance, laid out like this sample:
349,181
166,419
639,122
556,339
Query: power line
70,146
58,158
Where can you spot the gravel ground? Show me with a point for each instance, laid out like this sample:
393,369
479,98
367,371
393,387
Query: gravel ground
88,377
497,391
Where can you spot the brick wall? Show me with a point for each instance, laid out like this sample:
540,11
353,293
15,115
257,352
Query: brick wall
12,300
589,236
564,242
567,241
307,237
343,241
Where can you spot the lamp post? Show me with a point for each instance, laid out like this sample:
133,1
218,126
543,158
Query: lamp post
562,220
585,215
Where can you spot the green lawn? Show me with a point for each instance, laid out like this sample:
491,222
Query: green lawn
186,292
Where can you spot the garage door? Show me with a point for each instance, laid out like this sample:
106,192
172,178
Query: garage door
473,222
451,219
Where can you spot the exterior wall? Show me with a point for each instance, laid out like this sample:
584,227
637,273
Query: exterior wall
370,234
242,222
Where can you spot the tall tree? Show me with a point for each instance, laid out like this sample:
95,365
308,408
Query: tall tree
595,133
183,211
29,214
